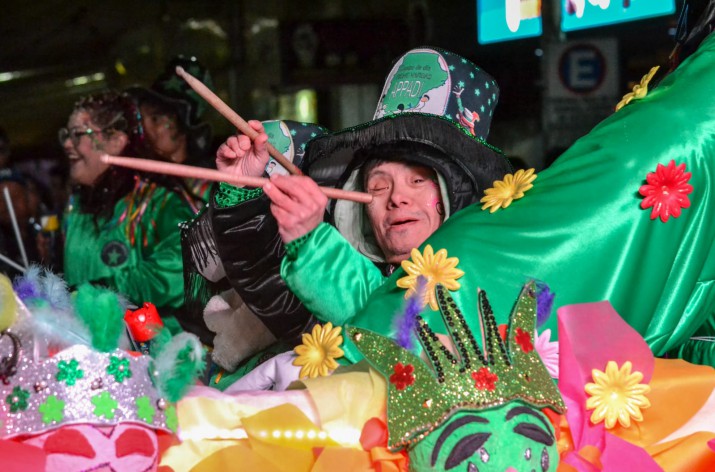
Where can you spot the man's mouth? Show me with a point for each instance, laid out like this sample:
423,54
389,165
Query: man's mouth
401,222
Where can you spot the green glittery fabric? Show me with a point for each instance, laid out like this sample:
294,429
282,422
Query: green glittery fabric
424,396
229,195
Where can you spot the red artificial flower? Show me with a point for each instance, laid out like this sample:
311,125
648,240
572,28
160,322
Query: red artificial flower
484,379
523,339
666,191
403,377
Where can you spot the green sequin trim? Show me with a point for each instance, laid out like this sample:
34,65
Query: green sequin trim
229,195
293,247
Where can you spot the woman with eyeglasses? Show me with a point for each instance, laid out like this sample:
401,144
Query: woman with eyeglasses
121,227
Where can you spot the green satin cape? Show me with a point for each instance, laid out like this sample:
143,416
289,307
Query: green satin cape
582,231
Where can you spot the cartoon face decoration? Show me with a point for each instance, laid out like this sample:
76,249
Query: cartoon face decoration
514,437
124,447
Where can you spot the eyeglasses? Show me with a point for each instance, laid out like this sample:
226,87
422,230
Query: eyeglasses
74,134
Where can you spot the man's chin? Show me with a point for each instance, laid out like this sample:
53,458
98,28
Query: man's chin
400,253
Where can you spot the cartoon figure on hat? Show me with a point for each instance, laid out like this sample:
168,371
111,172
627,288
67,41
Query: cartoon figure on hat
421,81
279,137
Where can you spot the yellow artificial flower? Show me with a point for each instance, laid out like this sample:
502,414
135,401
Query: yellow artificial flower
507,190
617,395
319,350
435,268
639,90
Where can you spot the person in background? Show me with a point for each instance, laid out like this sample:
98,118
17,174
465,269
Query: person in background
26,204
121,227
171,119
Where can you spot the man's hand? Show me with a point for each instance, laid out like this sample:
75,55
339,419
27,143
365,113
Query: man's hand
297,204
241,156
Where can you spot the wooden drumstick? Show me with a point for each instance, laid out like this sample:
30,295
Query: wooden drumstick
180,170
233,117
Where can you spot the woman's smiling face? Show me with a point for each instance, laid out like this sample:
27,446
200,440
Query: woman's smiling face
85,143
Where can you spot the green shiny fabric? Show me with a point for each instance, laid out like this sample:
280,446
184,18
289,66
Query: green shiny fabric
151,272
335,285
582,231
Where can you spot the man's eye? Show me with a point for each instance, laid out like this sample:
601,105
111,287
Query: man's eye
378,189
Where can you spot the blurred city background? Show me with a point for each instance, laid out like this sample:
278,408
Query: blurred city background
325,60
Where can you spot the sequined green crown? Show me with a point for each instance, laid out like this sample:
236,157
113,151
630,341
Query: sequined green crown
421,397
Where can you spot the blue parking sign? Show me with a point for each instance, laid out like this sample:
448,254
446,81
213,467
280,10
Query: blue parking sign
582,68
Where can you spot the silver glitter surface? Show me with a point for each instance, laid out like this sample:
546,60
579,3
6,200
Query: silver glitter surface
77,398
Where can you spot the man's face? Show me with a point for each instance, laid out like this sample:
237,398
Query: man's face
406,207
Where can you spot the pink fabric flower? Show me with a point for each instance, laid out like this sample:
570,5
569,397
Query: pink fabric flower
549,352
666,191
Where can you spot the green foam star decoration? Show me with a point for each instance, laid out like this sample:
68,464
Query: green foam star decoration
52,410
17,399
104,405
69,372
119,368
172,422
145,410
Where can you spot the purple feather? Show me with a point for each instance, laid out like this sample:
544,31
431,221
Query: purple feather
28,286
544,303
404,324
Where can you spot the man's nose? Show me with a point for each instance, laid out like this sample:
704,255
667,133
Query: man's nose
399,196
